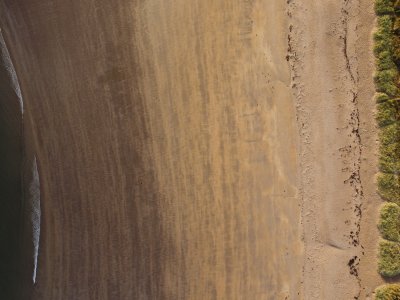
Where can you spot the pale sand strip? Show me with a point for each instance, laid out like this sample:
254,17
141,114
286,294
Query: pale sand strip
332,75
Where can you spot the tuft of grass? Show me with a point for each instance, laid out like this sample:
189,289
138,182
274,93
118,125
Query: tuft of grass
384,7
388,292
388,112
389,222
384,61
389,187
396,49
384,35
397,6
389,258
389,134
381,97
389,158
385,81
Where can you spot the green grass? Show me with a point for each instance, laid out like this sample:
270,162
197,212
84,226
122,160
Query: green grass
389,134
389,158
389,222
385,81
388,292
387,112
384,35
381,97
389,187
387,54
384,7
389,258
384,61
396,50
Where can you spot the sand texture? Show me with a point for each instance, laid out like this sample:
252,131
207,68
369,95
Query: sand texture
208,149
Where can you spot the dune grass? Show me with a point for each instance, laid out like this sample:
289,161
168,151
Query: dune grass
389,258
388,112
389,222
389,158
387,54
389,187
389,134
381,97
384,7
383,36
388,292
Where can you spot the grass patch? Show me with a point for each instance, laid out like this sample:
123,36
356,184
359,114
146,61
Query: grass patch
388,292
389,222
381,97
389,258
386,80
384,61
396,50
389,158
389,134
384,35
389,187
388,112
384,7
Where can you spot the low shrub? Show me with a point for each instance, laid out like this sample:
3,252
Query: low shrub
384,6
387,112
389,258
389,161
389,222
381,97
388,292
389,187
385,81
384,35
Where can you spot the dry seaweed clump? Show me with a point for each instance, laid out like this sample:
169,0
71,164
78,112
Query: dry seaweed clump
388,292
389,258
389,222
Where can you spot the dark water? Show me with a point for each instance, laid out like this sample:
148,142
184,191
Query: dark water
11,154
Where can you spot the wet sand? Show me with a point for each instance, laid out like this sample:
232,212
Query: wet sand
165,134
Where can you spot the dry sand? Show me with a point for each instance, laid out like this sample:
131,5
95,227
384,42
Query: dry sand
332,65
207,149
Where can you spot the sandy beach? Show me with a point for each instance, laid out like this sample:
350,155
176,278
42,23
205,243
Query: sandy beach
199,149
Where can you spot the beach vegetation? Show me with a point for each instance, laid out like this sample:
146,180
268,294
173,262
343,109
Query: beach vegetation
389,187
387,112
388,292
389,222
389,258
384,7
389,161
381,97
